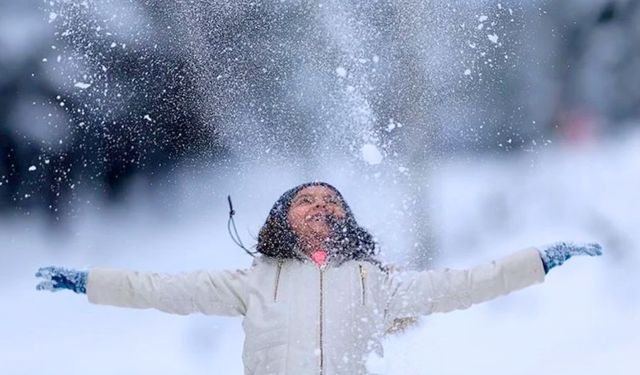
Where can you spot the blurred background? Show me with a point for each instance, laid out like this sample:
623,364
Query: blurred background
458,132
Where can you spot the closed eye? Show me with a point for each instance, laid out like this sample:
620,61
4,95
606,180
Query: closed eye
305,199
331,200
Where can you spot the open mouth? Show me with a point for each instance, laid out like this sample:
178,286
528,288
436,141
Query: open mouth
317,217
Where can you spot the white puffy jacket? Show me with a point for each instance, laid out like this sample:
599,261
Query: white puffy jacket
302,319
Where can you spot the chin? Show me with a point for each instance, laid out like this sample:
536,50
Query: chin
323,234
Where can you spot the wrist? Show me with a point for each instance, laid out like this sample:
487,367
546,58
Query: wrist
544,260
81,282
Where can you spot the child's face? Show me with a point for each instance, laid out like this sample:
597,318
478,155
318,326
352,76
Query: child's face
309,211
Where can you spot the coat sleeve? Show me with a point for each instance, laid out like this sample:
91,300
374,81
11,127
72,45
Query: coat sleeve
210,293
415,293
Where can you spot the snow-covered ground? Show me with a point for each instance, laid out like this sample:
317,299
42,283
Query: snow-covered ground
585,319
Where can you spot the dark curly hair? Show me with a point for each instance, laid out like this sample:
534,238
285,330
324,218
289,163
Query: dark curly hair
348,242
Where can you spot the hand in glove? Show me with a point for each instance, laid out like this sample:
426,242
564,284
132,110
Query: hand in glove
58,278
557,253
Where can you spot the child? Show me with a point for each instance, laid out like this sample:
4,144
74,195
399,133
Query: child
316,300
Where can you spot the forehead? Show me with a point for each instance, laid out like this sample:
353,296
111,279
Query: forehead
318,190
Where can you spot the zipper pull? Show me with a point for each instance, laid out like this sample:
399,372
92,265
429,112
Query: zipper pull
363,272
363,283
277,281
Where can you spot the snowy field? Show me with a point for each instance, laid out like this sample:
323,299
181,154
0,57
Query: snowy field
585,319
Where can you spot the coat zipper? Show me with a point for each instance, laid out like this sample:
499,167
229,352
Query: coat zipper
321,319
275,288
363,283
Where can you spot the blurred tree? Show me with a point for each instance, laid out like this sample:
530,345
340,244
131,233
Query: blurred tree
118,112
591,81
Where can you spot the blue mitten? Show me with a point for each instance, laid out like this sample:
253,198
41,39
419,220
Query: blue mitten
58,278
557,253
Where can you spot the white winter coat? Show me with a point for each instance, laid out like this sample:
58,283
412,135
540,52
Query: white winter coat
301,319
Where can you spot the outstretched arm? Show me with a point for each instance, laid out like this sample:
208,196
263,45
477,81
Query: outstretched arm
211,293
426,292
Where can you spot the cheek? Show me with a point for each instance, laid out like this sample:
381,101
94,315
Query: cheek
295,218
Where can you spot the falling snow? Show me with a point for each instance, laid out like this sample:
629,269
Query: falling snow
371,154
82,85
